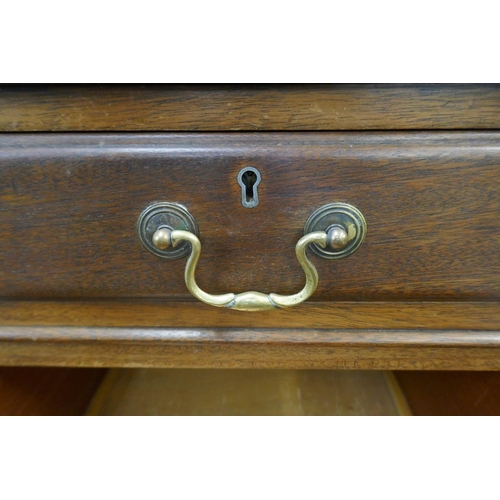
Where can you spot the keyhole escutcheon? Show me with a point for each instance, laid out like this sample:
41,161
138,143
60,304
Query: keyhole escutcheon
249,178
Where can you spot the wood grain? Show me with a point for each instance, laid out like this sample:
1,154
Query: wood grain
250,348
422,293
451,393
247,107
69,206
47,391
326,315
350,335
244,392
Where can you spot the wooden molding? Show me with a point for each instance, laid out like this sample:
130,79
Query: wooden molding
250,348
311,315
59,108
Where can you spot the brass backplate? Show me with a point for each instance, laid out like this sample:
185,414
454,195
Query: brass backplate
337,214
167,215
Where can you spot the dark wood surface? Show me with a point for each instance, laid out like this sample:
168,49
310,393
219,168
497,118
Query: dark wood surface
364,335
47,391
250,348
248,107
451,393
326,315
422,293
70,203
354,335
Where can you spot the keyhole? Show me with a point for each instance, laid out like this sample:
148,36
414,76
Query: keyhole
249,178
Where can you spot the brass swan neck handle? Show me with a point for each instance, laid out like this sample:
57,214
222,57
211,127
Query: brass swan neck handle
336,237
333,231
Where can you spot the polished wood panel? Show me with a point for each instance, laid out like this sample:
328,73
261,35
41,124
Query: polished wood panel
451,393
245,392
248,107
368,335
47,391
70,205
325,315
250,348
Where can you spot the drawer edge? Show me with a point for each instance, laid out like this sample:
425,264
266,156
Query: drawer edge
248,348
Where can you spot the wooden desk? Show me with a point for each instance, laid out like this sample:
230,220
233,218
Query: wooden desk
421,162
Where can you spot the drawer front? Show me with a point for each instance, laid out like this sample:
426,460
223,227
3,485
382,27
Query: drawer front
70,204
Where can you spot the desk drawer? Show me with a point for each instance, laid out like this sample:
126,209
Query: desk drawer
70,205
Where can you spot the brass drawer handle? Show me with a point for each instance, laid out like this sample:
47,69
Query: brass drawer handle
246,301
344,230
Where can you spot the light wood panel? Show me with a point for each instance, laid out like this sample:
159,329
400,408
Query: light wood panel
245,392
